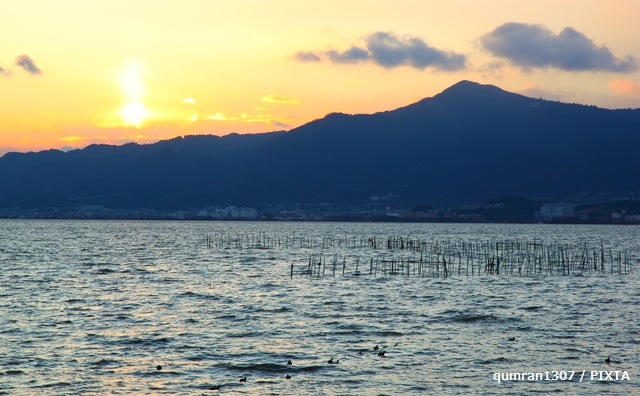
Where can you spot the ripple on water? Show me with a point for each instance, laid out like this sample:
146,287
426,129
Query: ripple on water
211,316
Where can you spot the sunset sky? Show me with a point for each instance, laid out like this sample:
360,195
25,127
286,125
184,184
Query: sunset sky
76,72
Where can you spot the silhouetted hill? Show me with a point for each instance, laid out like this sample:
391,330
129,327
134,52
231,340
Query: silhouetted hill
467,144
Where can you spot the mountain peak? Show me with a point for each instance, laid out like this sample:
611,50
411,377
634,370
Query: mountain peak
466,87
466,94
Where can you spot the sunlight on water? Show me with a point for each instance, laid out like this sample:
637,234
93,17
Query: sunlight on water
93,307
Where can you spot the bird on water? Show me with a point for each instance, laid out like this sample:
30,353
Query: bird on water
243,379
289,362
608,360
375,348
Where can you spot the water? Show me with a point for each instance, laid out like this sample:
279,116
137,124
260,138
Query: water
92,307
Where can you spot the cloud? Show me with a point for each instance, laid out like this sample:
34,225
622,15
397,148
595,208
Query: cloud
73,138
306,56
535,91
5,72
281,124
218,117
625,86
535,46
280,99
248,119
27,64
352,55
189,100
389,51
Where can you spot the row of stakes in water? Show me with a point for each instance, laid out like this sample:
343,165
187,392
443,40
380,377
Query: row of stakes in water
267,241
427,258
542,261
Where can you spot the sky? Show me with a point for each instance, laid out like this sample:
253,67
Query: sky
77,72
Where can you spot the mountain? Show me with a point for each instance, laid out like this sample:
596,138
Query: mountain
465,145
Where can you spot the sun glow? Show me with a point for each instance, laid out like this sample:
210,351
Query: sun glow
134,112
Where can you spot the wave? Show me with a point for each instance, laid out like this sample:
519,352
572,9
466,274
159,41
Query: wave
105,362
275,368
473,317
532,308
14,372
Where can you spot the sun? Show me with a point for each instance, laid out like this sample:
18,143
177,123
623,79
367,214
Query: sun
133,112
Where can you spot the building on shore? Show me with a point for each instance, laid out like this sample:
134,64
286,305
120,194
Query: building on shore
552,211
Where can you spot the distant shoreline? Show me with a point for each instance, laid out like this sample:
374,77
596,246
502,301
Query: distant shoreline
326,220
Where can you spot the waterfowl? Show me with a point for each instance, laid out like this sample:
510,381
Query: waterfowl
512,339
375,348
158,367
381,353
243,379
289,362
288,376
330,361
608,360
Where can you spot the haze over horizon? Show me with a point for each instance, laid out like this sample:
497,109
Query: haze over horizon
73,73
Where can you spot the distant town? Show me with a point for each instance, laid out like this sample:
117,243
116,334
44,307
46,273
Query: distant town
377,209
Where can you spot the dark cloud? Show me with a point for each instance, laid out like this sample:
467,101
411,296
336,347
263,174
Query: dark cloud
306,56
27,64
531,46
388,50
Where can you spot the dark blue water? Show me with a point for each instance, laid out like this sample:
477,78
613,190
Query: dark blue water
93,307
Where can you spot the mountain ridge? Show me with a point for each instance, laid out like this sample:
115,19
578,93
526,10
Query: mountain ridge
464,145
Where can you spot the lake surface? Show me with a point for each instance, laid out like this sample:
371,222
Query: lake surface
93,307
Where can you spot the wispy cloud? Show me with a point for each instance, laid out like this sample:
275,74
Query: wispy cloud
280,99
625,86
535,46
73,138
536,91
306,56
26,63
248,119
5,72
389,50
218,117
189,100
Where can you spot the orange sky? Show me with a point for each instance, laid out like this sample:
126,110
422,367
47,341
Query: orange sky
76,72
